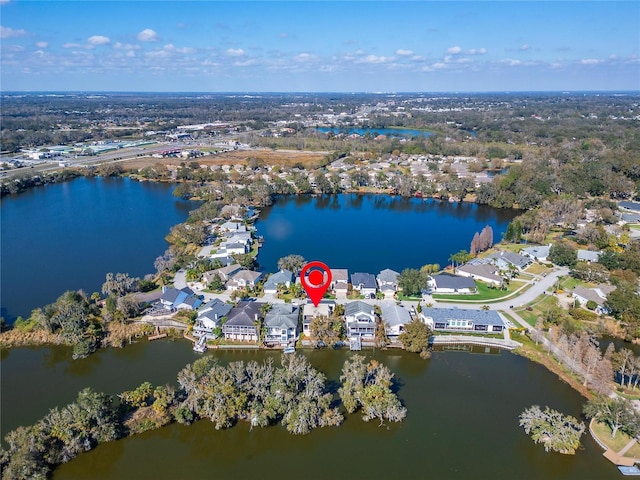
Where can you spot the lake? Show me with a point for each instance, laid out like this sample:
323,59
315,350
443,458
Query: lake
368,233
462,420
69,235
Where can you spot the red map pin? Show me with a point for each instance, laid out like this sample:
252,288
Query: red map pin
317,282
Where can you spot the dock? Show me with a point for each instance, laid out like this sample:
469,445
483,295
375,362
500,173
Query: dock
355,344
473,340
157,335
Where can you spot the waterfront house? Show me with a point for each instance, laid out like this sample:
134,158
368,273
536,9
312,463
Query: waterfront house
462,320
598,295
310,311
210,317
483,272
388,282
360,319
365,283
394,317
227,249
539,253
235,227
174,299
281,323
244,279
340,281
225,273
243,322
503,259
446,283
283,277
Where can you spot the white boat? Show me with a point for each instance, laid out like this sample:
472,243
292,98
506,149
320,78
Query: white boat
201,345
289,350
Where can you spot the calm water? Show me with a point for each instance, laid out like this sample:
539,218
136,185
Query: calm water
368,233
390,132
462,421
69,235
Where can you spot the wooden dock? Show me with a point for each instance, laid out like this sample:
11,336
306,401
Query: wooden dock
355,344
473,340
157,335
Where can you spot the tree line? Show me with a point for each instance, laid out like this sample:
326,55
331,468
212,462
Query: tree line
294,395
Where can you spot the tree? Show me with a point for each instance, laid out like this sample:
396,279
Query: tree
554,430
618,413
412,282
459,258
119,284
293,263
216,283
368,387
415,337
563,254
326,331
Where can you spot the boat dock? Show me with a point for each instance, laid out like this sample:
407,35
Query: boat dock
474,340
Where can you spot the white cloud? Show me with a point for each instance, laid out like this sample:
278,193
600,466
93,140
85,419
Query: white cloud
304,57
244,63
372,59
404,53
42,44
98,40
8,32
72,45
283,35
511,62
477,51
454,50
525,47
148,35
439,65
4,2
589,61
235,52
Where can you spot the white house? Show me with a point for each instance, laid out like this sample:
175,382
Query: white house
394,317
539,253
281,323
483,272
310,311
283,277
365,283
360,319
243,279
464,320
446,283
340,281
388,282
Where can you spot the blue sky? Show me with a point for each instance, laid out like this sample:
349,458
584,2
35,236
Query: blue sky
210,46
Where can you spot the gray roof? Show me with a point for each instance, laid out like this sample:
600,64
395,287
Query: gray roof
244,314
541,251
353,308
452,281
588,294
479,317
486,271
340,275
588,255
363,280
215,307
282,277
516,259
282,315
388,276
394,314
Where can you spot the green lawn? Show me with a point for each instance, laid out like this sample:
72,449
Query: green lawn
603,432
484,293
538,306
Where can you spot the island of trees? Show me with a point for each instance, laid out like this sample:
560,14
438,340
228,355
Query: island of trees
293,395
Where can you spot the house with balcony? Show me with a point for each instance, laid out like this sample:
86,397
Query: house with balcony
462,320
310,311
243,322
211,316
281,324
360,319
